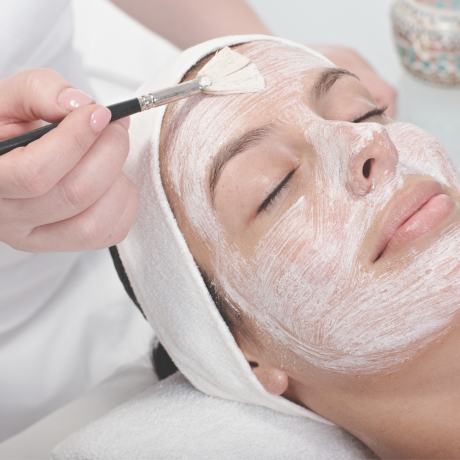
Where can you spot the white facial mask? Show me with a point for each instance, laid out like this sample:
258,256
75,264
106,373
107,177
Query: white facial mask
304,285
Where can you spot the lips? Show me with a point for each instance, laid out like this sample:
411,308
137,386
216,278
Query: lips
420,210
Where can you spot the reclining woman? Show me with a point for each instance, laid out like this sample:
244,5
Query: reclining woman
326,235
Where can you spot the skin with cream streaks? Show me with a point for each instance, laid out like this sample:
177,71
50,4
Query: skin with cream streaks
333,232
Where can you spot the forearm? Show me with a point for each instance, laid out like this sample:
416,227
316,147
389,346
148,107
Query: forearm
188,22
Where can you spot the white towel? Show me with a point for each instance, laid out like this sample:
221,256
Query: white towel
172,420
163,274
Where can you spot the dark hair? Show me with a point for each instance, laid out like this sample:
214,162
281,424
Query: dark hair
229,314
123,276
162,363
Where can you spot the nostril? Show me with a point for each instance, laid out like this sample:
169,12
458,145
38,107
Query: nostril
367,168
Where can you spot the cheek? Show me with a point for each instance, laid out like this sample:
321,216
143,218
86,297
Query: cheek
231,200
421,153
308,243
245,183
304,284
239,193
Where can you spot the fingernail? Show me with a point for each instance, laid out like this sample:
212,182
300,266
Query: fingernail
71,98
125,122
100,119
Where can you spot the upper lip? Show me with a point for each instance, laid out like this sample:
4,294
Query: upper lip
401,209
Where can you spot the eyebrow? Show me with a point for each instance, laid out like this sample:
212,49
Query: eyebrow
255,136
327,79
236,146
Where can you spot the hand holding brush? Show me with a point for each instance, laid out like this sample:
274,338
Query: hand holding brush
61,185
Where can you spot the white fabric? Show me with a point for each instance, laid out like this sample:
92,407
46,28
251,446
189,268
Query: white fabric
64,326
172,420
37,441
39,34
162,271
65,321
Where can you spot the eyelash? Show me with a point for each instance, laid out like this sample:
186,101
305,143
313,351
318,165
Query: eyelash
372,113
270,200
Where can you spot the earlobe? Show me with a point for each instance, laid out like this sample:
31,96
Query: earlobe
276,382
273,379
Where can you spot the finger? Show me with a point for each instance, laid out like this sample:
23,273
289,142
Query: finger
125,122
121,230
15,129
91,229
38,94
34,170
79,189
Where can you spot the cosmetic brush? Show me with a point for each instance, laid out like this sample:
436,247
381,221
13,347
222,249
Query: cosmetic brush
228,72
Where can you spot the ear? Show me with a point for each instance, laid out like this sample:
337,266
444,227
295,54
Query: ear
272,378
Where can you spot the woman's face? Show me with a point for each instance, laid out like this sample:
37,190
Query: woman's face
331,228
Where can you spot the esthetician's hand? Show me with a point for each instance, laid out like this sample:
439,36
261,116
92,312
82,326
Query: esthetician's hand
348,59
65,191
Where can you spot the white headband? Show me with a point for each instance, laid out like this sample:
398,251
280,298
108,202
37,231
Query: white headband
163,273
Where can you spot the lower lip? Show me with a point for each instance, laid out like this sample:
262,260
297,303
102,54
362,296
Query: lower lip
426,219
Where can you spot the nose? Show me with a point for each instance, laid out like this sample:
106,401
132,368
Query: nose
373,158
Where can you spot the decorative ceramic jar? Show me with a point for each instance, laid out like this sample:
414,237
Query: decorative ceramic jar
427,35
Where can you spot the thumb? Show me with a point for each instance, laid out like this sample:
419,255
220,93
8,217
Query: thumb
38,94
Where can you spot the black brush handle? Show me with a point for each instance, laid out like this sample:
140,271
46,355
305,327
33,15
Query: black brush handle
120,110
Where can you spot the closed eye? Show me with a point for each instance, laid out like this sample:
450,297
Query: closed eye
268,202
370,114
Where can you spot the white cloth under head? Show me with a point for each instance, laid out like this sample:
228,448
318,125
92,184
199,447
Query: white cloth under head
172,420
163,273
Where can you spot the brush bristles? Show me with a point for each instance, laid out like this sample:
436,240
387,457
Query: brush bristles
232,73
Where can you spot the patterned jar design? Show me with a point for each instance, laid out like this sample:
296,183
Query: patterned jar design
427,36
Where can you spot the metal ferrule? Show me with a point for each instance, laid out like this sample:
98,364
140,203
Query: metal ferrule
174,93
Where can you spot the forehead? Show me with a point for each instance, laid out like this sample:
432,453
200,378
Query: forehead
196,128
288,72
275,60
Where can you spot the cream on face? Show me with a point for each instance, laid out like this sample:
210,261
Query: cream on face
303,270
